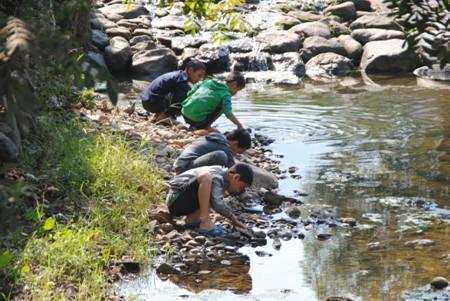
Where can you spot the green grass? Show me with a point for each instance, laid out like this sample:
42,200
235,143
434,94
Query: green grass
105,186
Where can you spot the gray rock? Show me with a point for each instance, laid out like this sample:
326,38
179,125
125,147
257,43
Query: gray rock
286,22
251,62
180,43
141,21
215,57
127,24
259,234
273,199
142,31
9,150
241,45
141,38
353,48
311,29
313,46
374,246
305,16
375,21
363,5
155,62
119,32
434,73
273,77
126,11
188,53
336,28
326,66
142,46
391,56
276,244
118,54
375,34
293,212
439,283
165,268
99,38
263,178
289,62
346,10
278,41
100,22
169,21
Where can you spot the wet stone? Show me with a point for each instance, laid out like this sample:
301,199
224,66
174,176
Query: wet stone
348,220
276,243
373,246
225,262
256,242
293,212
165,268
439,283
286,235
200,239
323,236
204,272
167,227
259,234
263,253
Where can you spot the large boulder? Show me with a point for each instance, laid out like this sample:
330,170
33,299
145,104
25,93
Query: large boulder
375,21
279,41
169,22
251,62
241,45
154,62
313,46
336,28
263,178
346,10
215,57
390,56
310,29
119,31
118,54
352,47
126,11
180,43
100,22
290,62
326,66
99,38
367,35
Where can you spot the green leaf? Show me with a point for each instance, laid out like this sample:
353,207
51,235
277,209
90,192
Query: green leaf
5,259
49,224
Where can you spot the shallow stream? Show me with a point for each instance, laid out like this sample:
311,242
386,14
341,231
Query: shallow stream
379,153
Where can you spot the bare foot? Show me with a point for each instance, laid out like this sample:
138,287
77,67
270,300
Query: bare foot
206,224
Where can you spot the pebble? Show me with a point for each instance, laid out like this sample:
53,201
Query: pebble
166,227
204,272
276,243
259,234
292,169
293,212
286,235
348,220
373,246
225,262
229,248
323,236
200,239
439,283
262,253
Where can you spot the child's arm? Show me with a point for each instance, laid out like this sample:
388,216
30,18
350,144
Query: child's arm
234,120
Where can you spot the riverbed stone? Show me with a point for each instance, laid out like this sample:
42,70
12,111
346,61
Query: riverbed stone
290,62
180,43
435,73
439,283
118,54
305,16
375,21
241,45
279,41
391,56
99,38
170,21
313,46
119,31
375,34
215,57
165,268
276,244
310,29
100,22
293,212
142,31
336,28
126,11
287,22
273,77
326,66
155,62
127,24
353,48
142,46
141,38
251,61
346,10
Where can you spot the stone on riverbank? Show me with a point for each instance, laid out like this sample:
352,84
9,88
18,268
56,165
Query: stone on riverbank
100,22
289,62
391,56
346,10
165,268
241,45
155,62
353,48
311,29
279,41
118,54
99,39
326,66
215,57
180,43
367,35
119,31
169,22
313,46
375,21
439,283
263,179
126,11
251,62
305,16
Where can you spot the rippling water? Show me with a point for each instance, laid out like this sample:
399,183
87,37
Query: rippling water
372,152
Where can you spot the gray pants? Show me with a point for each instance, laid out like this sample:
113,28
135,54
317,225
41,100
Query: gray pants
213,158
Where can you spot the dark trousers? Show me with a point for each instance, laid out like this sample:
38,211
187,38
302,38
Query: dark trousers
162,105
217,157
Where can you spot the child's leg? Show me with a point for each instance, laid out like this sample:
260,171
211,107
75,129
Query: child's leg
204,197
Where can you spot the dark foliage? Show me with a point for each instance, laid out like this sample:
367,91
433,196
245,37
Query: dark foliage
427,25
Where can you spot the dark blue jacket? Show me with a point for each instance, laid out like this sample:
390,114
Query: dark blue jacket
174,83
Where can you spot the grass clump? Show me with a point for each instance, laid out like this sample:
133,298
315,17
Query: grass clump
104,187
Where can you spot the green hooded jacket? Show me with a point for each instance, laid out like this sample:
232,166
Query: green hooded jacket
204,98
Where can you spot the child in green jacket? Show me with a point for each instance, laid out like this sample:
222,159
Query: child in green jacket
206,101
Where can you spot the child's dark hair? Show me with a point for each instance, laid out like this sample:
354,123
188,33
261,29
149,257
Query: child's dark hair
241,136
244,171
236,77
195,65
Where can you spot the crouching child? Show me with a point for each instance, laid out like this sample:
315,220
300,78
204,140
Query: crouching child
195,191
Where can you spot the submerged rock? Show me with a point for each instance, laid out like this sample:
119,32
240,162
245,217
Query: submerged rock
434,73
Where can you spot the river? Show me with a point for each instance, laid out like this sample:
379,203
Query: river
379,153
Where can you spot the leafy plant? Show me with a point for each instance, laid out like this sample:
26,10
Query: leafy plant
427,25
